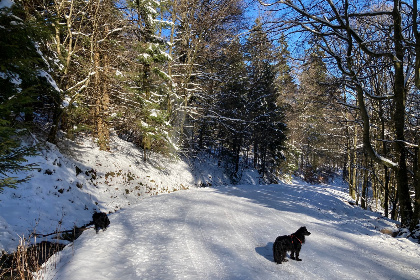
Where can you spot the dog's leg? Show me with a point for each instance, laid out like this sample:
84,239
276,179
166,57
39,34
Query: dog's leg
278,254
292,254
283,256
277,258
297,256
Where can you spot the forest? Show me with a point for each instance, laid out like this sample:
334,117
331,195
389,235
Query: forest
302,88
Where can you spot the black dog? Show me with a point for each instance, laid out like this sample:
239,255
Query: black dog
100,220
292,243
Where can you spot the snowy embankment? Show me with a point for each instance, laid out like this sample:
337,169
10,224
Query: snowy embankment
227,233
72,182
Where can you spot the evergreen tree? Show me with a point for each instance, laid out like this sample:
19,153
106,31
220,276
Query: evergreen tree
202,32
230,106
287,90
314,116
284,79
25,88
266,117
146,122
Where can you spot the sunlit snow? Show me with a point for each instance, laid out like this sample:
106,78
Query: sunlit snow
218,232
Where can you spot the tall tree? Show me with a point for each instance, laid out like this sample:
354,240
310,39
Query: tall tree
315,117
229,110
355,36
200,33
267,118
145,110
27,89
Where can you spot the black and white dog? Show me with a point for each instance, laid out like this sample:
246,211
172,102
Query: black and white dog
292,243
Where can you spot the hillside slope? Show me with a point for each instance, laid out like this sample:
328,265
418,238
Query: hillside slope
76,179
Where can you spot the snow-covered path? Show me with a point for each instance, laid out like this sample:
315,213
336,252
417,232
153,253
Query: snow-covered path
228,232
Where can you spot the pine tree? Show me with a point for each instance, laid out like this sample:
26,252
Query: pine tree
146,122
267,118
230,104
200,35
25,88
287,90
284,79
314,117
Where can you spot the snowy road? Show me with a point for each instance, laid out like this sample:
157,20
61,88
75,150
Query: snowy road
228,232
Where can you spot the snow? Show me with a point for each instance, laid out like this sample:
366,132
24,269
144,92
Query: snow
228,232
66,102
58,198
47,76
145,56
154,113
14,79
219,232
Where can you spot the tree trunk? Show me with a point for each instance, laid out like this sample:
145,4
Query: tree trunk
237,150
363,201
102,102
399,120
386,169
416,163
386,191
52,134
352,167
417,47
416,171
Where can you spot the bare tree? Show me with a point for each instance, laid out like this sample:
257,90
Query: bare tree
356,37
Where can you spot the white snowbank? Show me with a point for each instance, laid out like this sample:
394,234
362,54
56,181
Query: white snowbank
60,196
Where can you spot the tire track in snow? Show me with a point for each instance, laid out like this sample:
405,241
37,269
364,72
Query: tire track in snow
249,239
187,244
241,246
196,242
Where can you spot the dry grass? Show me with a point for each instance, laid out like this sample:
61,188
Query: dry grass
27,260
